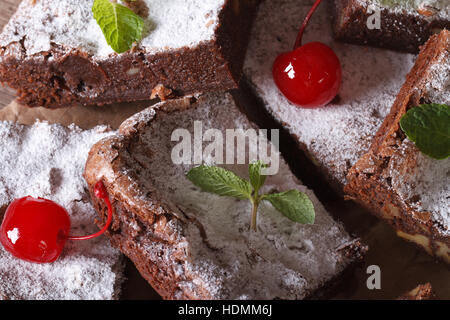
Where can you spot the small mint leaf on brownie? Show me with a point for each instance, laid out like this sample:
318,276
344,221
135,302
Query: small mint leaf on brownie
428,126
120,25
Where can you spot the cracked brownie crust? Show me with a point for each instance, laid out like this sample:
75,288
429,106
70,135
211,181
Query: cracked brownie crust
397,182
54,73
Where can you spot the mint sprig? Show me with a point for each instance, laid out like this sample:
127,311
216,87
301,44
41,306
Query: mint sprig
293,204
428,126
120,25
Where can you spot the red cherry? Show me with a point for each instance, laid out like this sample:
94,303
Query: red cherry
309,76
35,229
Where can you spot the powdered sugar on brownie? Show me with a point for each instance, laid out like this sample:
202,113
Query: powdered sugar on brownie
336,135
423,185
47,161
437,89
169,25
282,260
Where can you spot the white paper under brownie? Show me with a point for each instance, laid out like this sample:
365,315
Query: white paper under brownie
47,161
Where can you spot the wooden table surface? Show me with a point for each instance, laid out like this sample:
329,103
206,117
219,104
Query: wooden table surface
403,265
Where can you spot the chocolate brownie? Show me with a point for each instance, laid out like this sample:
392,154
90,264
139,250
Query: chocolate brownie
337,135
54,53
403,25
190,244
394,179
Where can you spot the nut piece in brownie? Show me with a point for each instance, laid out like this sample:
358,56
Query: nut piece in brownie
54,52
402,25
336,135
395,24
47,160
190,244
394,179
421,292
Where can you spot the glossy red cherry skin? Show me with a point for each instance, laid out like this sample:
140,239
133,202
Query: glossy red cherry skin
35,229
309,76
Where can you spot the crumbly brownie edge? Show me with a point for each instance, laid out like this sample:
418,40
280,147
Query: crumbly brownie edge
401,32
104,161
160,277
365,183
66,77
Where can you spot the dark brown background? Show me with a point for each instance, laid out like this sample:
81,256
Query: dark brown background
403,266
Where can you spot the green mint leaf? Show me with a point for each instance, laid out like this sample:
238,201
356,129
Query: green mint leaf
428,126
120,25
256,178
294,204
220,181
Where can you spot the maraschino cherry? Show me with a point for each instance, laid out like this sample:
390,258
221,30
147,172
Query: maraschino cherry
36,229
309,75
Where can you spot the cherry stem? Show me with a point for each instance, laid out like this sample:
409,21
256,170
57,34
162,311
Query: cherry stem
101,193
298,41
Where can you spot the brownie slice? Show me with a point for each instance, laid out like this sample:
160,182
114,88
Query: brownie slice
404,24
44,160
394,179
337,135
54,53
190,244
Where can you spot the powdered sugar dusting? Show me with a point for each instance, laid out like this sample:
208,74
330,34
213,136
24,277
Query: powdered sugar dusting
47,161
423,185
282,260
70,24
437,89
338,134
